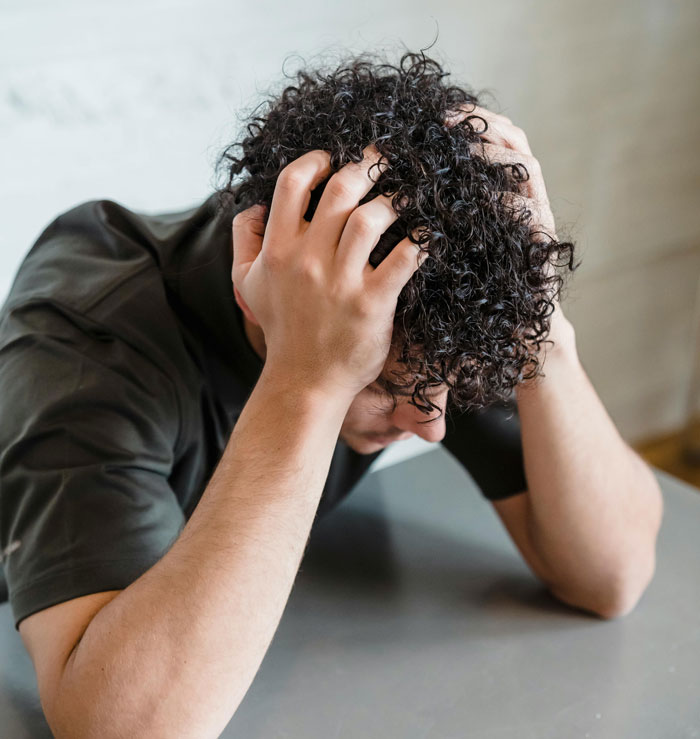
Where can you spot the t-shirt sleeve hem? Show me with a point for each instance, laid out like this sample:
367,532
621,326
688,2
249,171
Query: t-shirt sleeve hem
502,494
77,581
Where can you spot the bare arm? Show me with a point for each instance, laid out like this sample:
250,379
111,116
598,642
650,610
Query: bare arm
595,507
589,522
174,653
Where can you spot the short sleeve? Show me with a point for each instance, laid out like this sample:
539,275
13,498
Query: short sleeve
488,444
87,439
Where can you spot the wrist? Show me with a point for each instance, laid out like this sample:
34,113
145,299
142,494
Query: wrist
555,360
278,378
563,334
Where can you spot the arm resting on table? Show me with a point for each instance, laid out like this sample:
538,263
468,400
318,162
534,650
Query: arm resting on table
593,508
175,652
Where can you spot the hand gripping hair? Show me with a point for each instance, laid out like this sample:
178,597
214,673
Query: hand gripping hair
475,314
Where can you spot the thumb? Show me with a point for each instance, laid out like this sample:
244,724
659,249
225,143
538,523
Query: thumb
248,229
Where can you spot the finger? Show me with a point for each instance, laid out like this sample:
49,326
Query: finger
292,194
506,134
533,187
362,232
454,117
541,220
247,228
397,267
542,228
499,129
342,193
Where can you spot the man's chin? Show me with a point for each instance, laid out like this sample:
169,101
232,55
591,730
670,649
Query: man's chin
363,445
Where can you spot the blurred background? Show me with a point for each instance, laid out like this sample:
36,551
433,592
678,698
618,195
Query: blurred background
133,101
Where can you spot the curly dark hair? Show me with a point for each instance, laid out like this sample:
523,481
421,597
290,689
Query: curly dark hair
475,314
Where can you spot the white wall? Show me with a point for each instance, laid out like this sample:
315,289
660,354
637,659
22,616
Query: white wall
133,101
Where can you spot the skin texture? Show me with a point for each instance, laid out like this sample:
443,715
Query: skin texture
371,414
371,417
173,654
587,530
377,416
475,316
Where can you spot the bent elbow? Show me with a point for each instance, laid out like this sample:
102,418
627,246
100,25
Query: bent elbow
615,612
607,604
628,598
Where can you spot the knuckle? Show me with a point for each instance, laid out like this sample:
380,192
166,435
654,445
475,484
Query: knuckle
340,187
299,171
363,223
363,306
271,260
307,269
241,220
320,156
291,178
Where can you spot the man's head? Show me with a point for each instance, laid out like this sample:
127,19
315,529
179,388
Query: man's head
376,417
472,319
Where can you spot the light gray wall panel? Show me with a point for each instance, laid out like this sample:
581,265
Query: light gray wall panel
133,101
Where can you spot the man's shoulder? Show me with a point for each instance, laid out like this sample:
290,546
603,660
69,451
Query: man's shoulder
91,248
97,269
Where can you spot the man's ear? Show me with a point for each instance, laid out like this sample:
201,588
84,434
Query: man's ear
244,306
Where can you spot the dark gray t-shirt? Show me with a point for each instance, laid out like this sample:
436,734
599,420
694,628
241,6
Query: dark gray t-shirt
123,369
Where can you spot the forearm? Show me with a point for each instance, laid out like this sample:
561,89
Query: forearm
595,506
175,652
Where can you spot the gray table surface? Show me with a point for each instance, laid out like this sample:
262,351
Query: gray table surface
413,615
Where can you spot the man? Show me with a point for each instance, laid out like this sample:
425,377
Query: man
147,589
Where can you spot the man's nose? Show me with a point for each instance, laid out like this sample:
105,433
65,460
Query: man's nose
408,418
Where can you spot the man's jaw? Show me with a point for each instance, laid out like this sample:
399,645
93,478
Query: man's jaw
380,439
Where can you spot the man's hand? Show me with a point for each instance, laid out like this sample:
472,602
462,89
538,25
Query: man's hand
504,142
326,313
592,527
